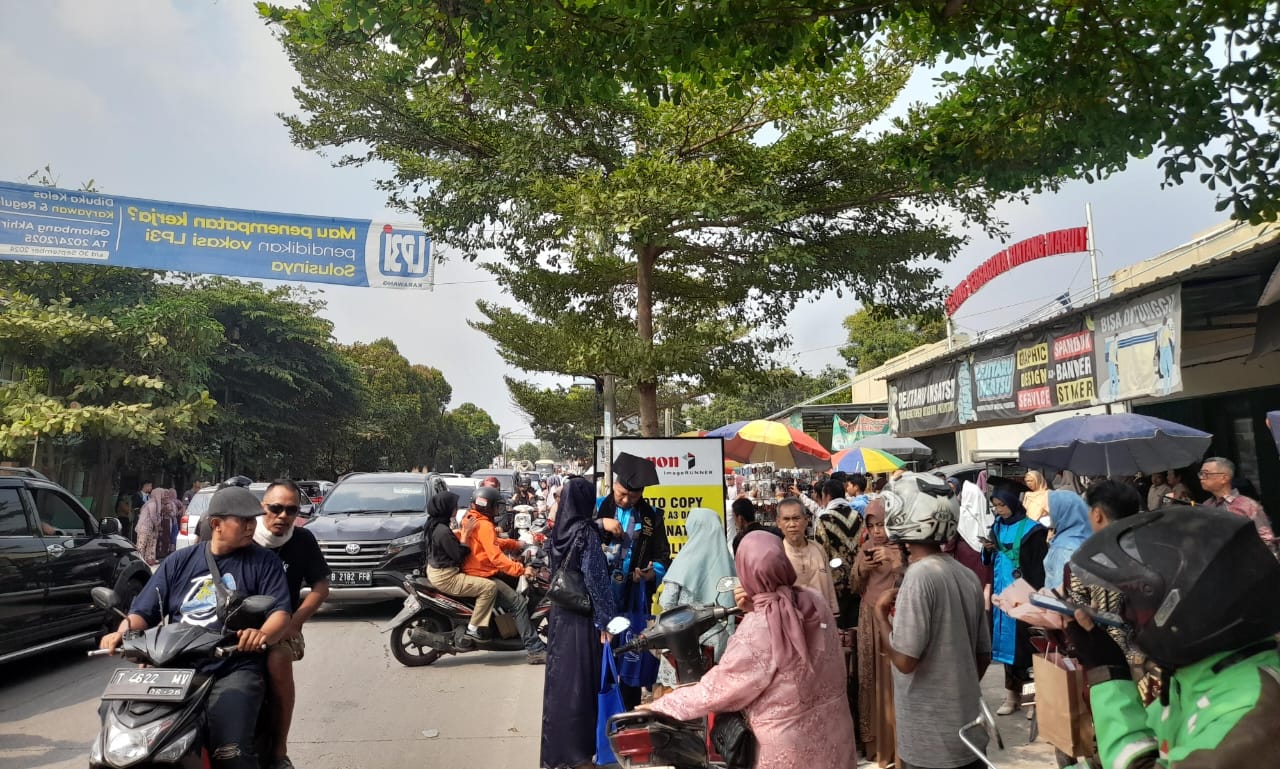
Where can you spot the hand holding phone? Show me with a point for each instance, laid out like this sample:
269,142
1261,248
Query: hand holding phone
1055,604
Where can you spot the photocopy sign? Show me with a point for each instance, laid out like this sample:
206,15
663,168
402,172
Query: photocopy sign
50,224
1138,348
690,474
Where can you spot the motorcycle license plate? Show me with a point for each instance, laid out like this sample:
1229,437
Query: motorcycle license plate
149,684
356,578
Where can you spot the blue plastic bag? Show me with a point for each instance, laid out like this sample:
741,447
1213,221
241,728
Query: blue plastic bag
637,668
608,704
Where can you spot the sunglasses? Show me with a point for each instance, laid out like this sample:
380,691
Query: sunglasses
277,509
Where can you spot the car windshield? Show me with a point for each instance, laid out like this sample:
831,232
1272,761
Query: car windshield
198,504
380,496
465,494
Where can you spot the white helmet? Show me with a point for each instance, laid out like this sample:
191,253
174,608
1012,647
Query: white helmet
920,508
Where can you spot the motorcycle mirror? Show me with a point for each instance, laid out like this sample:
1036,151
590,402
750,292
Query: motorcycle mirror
618,625
251,613
836,563
105,598
726,584
109,527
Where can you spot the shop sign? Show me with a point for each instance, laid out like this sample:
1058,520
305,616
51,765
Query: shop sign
690,474
54,225
1138,347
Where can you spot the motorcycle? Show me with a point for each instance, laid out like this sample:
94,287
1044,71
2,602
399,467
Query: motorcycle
433,623
155,716
643,738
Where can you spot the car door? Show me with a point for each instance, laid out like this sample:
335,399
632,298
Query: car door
22,576
79,560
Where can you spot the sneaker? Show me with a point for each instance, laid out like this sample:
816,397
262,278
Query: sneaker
538,658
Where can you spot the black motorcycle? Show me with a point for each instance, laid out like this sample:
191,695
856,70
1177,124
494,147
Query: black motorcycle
155,715
434,623
643,738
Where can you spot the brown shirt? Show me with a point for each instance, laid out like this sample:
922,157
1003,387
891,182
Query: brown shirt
812,570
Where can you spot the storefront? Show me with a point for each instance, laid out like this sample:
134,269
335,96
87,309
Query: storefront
1190,336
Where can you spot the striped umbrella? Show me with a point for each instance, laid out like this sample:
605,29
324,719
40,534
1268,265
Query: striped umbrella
865,461
763,441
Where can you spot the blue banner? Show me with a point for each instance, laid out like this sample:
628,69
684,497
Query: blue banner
54,225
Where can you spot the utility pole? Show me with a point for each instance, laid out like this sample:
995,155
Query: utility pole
1093,250
610,394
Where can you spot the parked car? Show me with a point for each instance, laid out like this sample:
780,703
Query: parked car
315,490
52,554
370,529
507,478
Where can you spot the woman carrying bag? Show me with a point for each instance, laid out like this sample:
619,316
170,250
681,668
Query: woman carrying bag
574,641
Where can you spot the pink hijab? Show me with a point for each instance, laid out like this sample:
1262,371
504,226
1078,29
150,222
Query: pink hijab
794,614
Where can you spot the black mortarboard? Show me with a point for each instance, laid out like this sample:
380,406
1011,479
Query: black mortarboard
634,473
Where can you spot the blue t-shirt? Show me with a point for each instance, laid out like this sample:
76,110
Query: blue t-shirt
182,588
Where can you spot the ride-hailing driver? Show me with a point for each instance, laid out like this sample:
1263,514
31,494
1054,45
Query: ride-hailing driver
1199,592
487,559
183,590
635,537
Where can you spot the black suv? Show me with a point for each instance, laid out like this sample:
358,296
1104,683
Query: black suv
52,553
370,529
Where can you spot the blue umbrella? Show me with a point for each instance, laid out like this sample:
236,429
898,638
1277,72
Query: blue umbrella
1114,444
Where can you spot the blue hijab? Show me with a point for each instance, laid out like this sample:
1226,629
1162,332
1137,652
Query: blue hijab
1070,517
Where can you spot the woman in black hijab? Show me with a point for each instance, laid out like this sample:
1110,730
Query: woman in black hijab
574,641
445,555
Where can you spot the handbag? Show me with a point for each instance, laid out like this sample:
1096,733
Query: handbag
608,705
732,738
568,587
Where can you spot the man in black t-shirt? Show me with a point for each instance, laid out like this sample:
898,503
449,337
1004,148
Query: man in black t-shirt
303,564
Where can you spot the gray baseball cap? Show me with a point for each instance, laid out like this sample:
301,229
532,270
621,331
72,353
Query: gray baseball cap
235,501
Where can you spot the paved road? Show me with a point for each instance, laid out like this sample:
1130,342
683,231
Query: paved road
360,709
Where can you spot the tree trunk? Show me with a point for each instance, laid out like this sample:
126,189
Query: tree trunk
646,386
101,486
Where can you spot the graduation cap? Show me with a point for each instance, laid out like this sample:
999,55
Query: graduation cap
634,473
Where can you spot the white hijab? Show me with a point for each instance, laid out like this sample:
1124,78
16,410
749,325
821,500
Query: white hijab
976,517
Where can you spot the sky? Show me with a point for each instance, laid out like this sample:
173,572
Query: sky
178,100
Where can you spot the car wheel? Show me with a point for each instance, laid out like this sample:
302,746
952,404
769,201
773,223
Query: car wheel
410,654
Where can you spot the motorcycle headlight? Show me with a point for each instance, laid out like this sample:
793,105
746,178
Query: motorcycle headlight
95,750
400,543
125,746
177,749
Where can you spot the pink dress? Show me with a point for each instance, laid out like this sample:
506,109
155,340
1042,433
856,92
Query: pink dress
800,718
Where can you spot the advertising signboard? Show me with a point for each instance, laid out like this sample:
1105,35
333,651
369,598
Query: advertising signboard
55,225
1139,348
690,474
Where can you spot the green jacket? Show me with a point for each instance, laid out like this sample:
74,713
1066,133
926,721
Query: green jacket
1215,718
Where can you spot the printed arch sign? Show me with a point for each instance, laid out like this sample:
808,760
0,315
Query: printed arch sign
56,225
690,474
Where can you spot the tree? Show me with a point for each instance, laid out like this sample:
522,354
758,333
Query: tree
655,241
403,417
470,440
285,388
528,451
1051,90
133,379
780,389
875,336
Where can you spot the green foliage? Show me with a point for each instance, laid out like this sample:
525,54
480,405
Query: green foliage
92,377
777,390
876,335
528,452
470,440
656,241
1050,89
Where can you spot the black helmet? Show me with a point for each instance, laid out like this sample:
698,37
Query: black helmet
1196,581
236,480
487,500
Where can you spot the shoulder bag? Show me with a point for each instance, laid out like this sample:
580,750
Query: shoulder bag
732,738
568,588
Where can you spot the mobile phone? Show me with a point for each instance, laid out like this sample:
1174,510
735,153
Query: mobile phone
1055,604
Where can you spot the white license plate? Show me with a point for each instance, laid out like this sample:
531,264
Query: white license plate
149,684
358,578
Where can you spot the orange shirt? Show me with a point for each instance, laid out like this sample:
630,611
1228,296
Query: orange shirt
487,557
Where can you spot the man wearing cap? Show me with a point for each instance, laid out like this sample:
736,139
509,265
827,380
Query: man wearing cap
637,549
183,590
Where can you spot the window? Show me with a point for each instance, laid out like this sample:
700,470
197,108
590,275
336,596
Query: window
13,518
58,514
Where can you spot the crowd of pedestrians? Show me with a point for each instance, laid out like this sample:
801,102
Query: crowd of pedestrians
870,619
